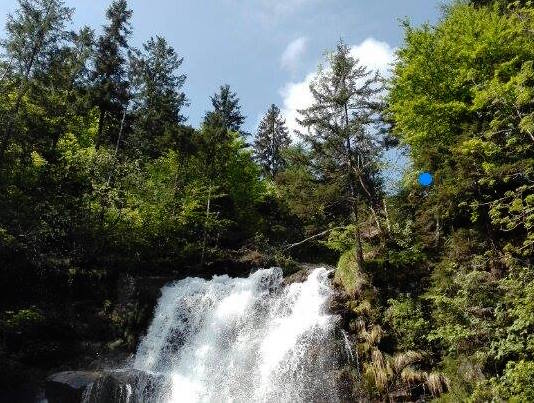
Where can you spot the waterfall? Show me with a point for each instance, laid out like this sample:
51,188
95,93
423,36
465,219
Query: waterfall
348,347
241,340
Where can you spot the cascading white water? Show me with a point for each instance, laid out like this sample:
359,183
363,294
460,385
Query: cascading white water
241,340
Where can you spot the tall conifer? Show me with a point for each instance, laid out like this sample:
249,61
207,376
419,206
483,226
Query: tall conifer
110,83
345,151
226,110
272,137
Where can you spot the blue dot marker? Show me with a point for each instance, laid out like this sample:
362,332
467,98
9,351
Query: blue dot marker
425,179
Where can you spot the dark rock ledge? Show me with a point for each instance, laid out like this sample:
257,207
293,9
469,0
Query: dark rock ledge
69,386
120,386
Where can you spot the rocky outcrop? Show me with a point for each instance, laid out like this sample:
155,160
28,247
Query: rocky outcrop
120,386
304,270
137,297
69,386
125,386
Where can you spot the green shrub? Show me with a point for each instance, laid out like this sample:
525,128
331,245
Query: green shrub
23,319
405,317
517,383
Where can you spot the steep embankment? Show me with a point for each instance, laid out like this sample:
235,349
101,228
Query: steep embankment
377,370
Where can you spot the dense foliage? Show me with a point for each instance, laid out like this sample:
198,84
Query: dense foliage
461,98
442,304
101,178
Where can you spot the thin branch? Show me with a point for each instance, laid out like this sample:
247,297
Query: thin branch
320,234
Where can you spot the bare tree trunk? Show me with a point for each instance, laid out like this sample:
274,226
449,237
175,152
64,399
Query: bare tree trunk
117,145
357,236
378,224
388,224
204,241
311,238
355,200
101,118
437,233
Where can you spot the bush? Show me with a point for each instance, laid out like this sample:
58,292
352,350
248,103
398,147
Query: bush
517,383
405,317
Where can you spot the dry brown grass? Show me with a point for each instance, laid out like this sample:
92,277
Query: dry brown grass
437,383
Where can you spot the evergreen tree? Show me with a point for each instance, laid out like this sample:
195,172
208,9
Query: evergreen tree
158,96
345,152
272,137
81,51
226,110
63,90
111,87
34,35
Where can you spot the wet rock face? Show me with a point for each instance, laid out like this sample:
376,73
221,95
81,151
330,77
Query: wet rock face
125,386
69,386
302,274
119,386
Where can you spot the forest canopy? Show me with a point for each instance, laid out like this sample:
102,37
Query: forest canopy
101,176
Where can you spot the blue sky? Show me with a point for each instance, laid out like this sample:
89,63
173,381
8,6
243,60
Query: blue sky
265,49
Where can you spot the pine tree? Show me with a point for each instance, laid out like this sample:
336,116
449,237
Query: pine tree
158,96
34,34
111,87
345,152
226,110
272,137
63,92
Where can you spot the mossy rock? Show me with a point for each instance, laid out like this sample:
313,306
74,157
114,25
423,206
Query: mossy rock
347,274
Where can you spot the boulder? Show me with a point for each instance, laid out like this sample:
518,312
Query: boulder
124,386
69,386
119,386
304,271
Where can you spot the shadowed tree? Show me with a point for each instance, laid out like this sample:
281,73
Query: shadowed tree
110,84
272,137
158,97
226,110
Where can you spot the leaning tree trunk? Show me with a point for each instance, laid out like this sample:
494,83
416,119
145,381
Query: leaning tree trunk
205,237
100,132
355,200
357,234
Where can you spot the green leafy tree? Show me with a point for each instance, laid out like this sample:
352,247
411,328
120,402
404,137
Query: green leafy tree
34,35
467,119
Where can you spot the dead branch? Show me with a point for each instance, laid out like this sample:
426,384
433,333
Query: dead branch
320,234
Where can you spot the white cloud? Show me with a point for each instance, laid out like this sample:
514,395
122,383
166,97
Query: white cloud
292,54
376,55
296,96
281,7
270,11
